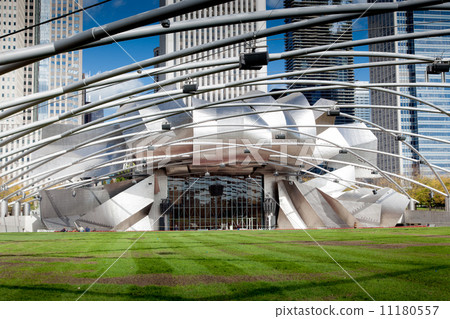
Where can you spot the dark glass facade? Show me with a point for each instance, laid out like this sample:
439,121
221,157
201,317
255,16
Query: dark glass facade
324,34
191,206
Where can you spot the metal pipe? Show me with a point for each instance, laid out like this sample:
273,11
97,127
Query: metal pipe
107,30
228,41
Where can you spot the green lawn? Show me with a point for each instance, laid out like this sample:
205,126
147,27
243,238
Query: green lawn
390,264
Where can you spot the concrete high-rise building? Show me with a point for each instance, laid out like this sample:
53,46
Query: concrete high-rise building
65,68
427,124
15,16
362,97
315,36
62,69
187,39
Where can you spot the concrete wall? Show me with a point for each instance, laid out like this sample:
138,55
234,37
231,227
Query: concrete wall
423,217
21,224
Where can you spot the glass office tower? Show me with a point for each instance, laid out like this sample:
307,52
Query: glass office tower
62,69
430,125
323,34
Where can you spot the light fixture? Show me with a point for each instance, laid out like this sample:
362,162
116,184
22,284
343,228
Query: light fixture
334,112
74,193
276,173
374,191
336,181
374,172
343,151
207,174
280,136
400,138
301,166
222,165
216,189
438,67
253,60
166,126
165,23
190,88
150,148
246,151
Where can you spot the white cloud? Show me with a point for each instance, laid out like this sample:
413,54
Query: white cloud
109,91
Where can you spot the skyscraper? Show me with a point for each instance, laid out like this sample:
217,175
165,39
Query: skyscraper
362,97
315,36
427,124
62,69
187,39
15,16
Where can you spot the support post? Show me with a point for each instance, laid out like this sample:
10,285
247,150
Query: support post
166,222
16,214
3,208
447,204
16,209
26,209
412,204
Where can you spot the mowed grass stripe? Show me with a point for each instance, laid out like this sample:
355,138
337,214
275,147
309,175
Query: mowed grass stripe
227,265
212,255
175,250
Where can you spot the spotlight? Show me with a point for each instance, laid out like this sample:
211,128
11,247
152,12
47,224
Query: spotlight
400,138
280,136
276,173
74,193
166,126
207,174
343,151
165,23
334,112
374,192
222,165
253,60
246,151
150,148
438,67
216,190
190,88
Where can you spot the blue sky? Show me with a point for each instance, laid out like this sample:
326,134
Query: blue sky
109,57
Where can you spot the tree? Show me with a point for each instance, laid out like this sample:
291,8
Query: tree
425,196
